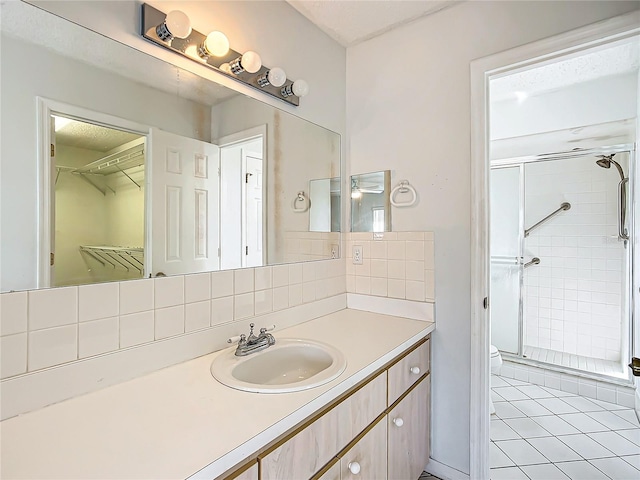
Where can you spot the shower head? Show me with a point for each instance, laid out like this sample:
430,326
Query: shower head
605,161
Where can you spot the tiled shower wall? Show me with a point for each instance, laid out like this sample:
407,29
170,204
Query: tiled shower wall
49,327
573,300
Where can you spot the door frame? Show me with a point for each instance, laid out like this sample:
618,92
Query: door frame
481,70
241,137
46,107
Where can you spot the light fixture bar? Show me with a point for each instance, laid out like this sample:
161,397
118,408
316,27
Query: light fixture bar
189,47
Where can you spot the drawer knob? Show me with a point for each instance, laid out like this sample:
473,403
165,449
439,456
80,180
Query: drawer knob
415,370
398,422
354,467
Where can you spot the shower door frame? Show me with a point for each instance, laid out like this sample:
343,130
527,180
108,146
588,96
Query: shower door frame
628,307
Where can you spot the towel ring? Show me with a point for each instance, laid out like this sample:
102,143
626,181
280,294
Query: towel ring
302,199
403,187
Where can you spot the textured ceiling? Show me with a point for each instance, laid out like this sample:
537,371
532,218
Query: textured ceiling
353,21
92,137
619,59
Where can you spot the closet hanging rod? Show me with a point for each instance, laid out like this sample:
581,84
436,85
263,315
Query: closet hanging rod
563,206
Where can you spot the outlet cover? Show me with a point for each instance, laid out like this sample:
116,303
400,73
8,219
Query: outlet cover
357,254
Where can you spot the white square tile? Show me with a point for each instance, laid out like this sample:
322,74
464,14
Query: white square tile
545,471
169,321
98,336
582,404
414,270
507,473
13,355
625,399
611,420
396,288
53,307
243,280
554,449
379,268
295,294
586,447
521,452
52,346
363,285
280,275
633,460
197,315
534,391
581,470
136,296
309,292
322,288
616,468
222,310
628,415
607,405
322,270
587,389
510,393
631,435
97,301
416,236
243,306
280,298
497,457
556,405
263,278
295,273
415,290
337,285
396,269
222,284
197,287
379,250
501,431
497,381
555,425
379,287
616,443
414,250
136,328
583,422
309,271
13,313
526,427
505,410
429,255
430,284
168,291
263,301
396,250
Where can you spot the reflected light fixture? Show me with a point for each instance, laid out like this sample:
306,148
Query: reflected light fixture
176,24
216,44
250,62
173,31
275,76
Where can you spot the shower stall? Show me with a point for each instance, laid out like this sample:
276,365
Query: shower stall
561,259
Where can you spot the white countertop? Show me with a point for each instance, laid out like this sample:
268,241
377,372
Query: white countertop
179,421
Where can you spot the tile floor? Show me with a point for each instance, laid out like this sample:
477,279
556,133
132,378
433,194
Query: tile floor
539,433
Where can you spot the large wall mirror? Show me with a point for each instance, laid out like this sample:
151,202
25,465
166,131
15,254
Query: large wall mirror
117,165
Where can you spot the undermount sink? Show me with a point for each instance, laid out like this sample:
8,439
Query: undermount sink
290,365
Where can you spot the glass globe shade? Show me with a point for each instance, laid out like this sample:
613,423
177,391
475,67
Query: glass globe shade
277,77
178,24
216,44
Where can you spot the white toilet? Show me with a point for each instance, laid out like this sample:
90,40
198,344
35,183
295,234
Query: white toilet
496,366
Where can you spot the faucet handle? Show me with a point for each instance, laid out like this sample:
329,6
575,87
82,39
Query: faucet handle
267,329
251,325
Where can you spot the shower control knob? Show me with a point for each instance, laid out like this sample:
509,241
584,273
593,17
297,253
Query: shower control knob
398,422
354,467
415,370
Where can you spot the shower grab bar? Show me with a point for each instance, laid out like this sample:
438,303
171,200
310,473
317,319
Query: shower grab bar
563,206
534,261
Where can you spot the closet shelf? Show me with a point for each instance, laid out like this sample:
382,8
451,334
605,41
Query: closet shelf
124,257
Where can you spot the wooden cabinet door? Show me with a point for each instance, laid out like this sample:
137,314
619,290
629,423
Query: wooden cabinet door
249,474
367,459
409,424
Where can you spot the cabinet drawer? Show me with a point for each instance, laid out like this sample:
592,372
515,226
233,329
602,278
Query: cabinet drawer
313,447
408,370
367,459
408,425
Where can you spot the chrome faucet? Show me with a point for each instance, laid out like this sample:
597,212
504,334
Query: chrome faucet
252,344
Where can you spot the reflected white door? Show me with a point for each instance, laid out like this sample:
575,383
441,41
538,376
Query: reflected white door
185,204
252,211
52,204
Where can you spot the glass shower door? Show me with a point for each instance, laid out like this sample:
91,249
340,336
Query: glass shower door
506,269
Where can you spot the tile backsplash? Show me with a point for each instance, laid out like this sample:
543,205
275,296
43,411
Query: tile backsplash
45,328
394,265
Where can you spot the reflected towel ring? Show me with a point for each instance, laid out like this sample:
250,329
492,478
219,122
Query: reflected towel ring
403,187
300,198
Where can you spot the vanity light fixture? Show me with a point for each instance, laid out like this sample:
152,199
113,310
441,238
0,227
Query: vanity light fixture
176,24
173,31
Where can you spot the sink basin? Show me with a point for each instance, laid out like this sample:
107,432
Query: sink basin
290,365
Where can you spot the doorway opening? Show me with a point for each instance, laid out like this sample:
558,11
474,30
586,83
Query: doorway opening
97,208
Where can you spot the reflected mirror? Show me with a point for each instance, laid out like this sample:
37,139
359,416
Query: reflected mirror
117,165
324,209
370,203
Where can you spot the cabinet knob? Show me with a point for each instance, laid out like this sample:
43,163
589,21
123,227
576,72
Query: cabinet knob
354,467
415,370
398,422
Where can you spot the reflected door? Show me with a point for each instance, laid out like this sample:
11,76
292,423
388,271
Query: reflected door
506,269
185,197
252,211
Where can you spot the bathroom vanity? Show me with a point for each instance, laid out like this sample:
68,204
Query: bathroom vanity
370,422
